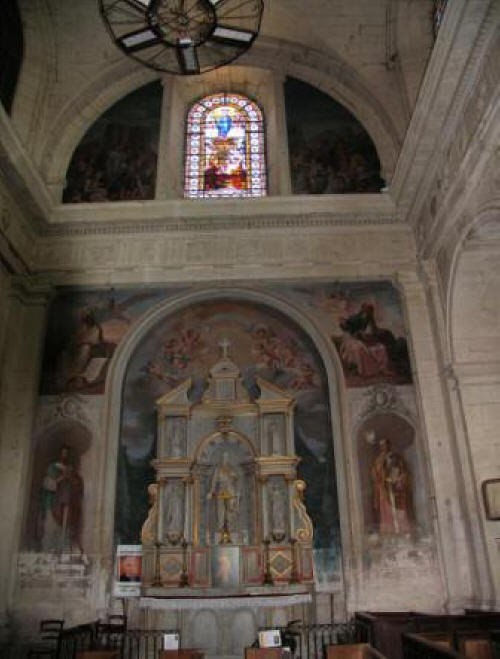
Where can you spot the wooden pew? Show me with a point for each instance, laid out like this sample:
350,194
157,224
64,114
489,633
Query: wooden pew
353,651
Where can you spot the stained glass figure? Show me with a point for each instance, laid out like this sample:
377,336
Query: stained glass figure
225,151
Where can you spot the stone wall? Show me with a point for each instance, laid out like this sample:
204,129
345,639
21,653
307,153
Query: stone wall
475,335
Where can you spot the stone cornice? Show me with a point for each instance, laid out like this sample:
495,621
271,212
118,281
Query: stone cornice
215,223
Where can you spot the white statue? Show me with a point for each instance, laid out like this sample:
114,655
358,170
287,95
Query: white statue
176,440
174,513
275,439
225,489
278,512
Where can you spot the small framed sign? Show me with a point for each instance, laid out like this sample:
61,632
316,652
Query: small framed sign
270,638
491,497
171,641
128,571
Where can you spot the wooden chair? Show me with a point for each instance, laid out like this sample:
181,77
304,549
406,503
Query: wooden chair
50,632
110,633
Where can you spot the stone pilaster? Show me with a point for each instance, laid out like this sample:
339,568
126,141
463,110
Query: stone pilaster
476,401
279,161
443,457
480,564
20,367
166,182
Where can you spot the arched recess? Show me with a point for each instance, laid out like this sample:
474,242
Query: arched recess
200,448
125,351
473,334
330,74
479,242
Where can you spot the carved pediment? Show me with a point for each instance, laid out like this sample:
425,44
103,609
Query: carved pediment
175,402
272,397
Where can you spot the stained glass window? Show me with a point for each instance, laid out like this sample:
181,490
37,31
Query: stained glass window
225,150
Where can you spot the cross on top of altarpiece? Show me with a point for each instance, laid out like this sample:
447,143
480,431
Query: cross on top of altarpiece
224,345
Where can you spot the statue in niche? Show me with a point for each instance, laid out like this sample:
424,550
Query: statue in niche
174,513
274,438
392,493
61,504
278,512
176,443
224,488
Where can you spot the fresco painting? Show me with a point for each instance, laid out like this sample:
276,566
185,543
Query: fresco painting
365,326
116,159
330,151
83,330
263,343
55,517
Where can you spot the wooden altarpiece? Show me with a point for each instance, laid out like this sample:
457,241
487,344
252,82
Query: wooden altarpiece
227,513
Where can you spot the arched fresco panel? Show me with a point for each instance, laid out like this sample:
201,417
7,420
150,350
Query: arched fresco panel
116,158
263,344
330,151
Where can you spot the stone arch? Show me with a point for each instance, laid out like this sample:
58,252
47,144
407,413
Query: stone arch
124,352
243,631
204,630
206,440
478,239
81,112
37,73
473,336
328,73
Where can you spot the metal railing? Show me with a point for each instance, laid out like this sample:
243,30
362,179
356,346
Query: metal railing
314,639
311,641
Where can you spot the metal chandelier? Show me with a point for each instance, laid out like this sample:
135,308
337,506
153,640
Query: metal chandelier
185,37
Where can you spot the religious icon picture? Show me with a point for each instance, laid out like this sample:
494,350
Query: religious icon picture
226,567
129,564
491,497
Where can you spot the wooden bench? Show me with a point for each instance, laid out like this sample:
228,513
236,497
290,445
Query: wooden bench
353,651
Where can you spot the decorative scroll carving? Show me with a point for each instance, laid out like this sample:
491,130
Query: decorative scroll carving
148,531
303,523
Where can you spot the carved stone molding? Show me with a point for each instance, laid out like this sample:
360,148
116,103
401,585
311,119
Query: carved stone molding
456,62
382,398
218,222
31,290
66,407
